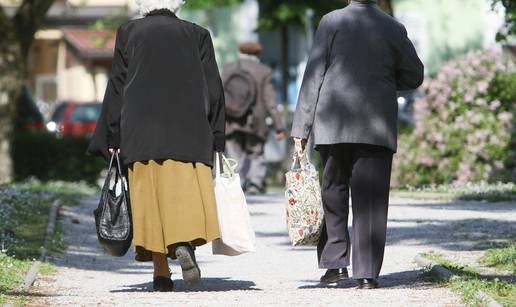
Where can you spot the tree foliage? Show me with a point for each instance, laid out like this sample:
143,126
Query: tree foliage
209,4
509,28
274,14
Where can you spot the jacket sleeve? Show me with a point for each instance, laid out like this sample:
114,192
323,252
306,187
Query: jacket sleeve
409,68
312,81
217,112
114,90
271,103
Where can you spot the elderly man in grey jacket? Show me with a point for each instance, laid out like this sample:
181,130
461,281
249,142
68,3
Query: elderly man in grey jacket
360,58
246,134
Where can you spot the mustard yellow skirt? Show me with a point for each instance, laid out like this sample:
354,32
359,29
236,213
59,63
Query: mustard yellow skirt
172,202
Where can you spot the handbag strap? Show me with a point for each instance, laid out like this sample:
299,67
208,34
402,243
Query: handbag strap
119,172
109,173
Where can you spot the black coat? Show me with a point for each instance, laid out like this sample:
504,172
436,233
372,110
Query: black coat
164,98
361,56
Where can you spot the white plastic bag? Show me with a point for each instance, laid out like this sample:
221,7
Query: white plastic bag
237,235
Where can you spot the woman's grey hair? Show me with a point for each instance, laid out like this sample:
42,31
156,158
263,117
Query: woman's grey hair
146,6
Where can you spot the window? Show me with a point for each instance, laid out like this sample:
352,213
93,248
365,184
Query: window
85,113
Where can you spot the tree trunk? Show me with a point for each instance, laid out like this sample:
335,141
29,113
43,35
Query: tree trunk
17,35
12,74
284,64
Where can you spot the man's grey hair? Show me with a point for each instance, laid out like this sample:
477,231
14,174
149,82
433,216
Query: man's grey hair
146,6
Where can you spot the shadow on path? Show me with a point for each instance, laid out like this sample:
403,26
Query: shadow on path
477,206
206,285
398,280
456,235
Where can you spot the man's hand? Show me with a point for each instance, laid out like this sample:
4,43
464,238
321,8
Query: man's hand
303,143
112,150
280,136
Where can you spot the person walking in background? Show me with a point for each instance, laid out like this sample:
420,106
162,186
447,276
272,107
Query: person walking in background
361,56
250,100
164,111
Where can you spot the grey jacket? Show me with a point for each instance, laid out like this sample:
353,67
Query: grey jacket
265,106
361,56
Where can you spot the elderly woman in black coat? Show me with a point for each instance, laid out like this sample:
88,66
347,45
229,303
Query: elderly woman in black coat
164,112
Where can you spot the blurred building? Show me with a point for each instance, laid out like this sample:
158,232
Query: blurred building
70,58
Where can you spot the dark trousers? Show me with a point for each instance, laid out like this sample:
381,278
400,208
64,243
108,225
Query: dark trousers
366,169
248,151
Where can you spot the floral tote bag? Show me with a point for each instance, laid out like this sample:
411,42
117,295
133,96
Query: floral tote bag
303,201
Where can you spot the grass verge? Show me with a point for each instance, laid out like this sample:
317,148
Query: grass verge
503,259
24,211
468,281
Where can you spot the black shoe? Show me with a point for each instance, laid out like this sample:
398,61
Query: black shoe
334,275
253,190
186,257
367,283
163,284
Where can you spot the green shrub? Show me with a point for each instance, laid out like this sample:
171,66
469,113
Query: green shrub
501,258
43,156
465,129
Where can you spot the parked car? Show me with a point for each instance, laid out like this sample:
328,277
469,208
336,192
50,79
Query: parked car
74,119
28,116
406,101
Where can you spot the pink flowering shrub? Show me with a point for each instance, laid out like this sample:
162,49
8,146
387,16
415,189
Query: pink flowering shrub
465,126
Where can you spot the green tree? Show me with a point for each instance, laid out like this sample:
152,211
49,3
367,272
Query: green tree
209,4
17,34
509,28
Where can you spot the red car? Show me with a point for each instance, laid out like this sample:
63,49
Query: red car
75,119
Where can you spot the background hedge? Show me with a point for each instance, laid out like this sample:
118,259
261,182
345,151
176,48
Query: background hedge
465,126
45,157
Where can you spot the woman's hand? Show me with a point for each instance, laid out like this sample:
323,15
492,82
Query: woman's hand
112,150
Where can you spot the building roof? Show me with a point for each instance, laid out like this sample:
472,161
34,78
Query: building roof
91,43
63,13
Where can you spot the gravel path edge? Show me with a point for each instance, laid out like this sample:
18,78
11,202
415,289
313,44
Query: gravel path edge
444,273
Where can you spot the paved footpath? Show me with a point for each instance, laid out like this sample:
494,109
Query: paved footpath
277,274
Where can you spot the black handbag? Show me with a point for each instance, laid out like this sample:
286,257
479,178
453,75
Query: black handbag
113,215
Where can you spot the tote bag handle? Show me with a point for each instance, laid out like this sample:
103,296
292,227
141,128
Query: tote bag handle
228,165
300,157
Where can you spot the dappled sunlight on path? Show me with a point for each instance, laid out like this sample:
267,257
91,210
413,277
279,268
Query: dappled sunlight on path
276,274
